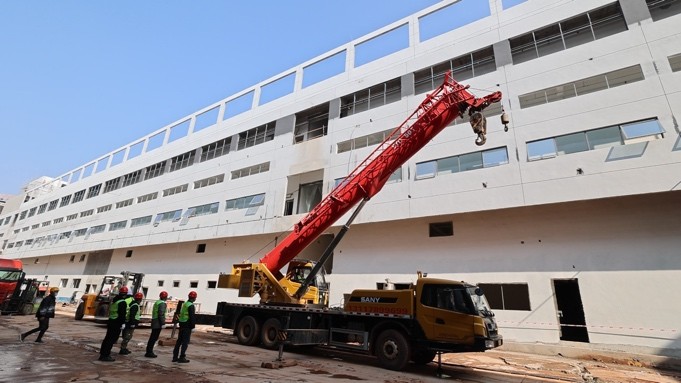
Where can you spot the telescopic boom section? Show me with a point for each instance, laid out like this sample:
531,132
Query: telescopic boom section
438,110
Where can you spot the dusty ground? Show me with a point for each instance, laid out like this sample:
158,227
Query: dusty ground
70,353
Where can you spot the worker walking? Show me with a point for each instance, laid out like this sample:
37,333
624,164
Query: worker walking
131,322
117,313
158,321
187,321
45,312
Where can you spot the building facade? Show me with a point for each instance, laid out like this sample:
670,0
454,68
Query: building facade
570,220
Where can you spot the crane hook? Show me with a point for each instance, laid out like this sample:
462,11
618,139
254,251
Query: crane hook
479,125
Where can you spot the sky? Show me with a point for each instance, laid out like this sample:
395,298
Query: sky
79,78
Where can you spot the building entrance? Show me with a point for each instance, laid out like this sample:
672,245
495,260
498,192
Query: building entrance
570,310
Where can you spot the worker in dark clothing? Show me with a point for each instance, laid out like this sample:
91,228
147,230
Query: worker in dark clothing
45,312
187,321
158,321
117,313
132,320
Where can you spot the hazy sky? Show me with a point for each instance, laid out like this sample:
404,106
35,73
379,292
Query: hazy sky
79,79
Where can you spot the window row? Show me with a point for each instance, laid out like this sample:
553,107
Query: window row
462,163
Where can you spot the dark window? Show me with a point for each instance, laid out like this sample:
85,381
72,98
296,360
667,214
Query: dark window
441,229
660,9
176,283
193,284
128,254
451,298
212,284
201,248
507,296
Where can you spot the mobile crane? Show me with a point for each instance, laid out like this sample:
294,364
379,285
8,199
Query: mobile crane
397,325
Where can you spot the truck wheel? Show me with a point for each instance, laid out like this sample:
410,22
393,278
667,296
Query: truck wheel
248,331
423,356
80,311
26,309
392,350
268,333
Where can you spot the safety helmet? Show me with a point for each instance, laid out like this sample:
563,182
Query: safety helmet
54,290
163,295
192,295
139,295
123,290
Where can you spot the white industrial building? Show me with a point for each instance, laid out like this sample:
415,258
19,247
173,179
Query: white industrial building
570,220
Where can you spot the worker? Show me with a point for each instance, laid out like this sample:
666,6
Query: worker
187,321
158,321
131,321
45,312
116,322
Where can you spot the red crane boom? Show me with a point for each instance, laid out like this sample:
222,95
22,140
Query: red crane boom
438,110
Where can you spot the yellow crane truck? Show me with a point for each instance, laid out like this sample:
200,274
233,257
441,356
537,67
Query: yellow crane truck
410,322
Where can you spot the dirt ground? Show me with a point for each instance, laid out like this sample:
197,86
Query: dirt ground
71,347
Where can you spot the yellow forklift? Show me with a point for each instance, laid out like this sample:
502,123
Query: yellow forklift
97,305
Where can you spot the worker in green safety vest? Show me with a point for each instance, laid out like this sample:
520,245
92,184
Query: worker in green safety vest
158,321
187,321
117,313
132,320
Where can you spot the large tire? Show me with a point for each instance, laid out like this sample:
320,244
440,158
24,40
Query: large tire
268,333
423,356
80,311
248,331
26,308
392,350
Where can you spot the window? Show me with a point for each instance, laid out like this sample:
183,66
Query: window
63,283
97,229
82,258
210,208
245,202
581,87
211,284
117,225
66,234
58,220
675,61
201,248
132,178
255,136
661,9
193,284
140,221
71,217
41,210
79,232
176,283
125,203
309,195
448,297
112,185
463,67
86,213
76,283
103,209
507,296
606,137
175,190
154,170
128,254
93,191
46,223
364,141
169,216
147,197
182,161
251,170
31,212
461,163
440,229
160,283
65,200
23,215
372,97
209,181
577,30
311,123
78,196
72,259
53,205
216,149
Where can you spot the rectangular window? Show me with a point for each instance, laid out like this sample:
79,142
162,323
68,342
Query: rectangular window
311,123
212,284
82,258
63,283
79,232
140,221
103,209
112,185
132,178
201,248
93,191
176,283
182,161
53,205
160,283
441,229
58,220
372,97
216,149
41,210
675,61
169,216
31,212
78,196
256,136
175,190
71,217
147,197
462,67
86,213
461,163
125,203
209,181
309,195
245,202
46,223
661,9
364,141
210,208
117,225
193,284
76,283
65,200
154,170
23,215
251,170
97,229
507,296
